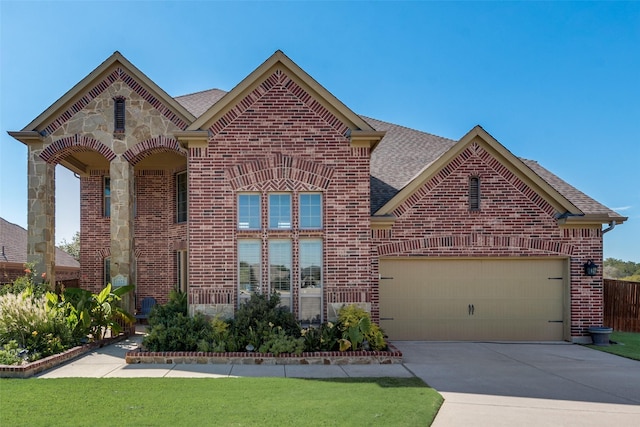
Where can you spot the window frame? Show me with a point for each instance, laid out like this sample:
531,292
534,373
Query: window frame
272,253
251,214
311,216
243,297
106,196
182,215
307,292
278,216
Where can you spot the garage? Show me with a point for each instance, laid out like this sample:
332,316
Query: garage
498,299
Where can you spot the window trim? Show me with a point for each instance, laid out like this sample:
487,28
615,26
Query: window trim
239,224
300,205
258,286
106,198
269,211
186,198
301,290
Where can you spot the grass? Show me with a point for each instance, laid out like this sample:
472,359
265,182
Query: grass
223,401
628,345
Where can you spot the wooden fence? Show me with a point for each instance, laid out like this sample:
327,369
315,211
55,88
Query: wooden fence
622,305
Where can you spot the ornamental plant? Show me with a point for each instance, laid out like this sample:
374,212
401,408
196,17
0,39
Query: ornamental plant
357,328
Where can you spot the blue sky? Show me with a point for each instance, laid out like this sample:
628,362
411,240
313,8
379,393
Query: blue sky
557,82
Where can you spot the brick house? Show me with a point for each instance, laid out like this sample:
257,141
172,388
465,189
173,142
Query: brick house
278,186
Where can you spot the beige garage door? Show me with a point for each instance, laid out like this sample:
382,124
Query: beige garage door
472,299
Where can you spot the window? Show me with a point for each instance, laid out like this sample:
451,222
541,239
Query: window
118,114
310,281
474,193
249,212
181,197
106,199
279,211
310,206
249,267
280,270
107,271
183,270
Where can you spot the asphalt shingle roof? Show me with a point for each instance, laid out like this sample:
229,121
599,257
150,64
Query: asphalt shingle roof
13,240
403,153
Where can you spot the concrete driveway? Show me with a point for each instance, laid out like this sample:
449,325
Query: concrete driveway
522,384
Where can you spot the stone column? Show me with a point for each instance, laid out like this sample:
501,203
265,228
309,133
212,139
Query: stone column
41,214
122,222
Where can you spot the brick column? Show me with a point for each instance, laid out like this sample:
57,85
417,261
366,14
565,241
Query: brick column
41,214
122,222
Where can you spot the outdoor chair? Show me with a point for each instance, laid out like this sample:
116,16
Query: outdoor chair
147,305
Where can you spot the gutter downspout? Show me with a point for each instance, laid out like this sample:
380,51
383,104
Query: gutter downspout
612,225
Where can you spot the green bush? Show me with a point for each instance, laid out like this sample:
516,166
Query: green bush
171,329
356,326
321,338
36,327
255,319
10,354
278,342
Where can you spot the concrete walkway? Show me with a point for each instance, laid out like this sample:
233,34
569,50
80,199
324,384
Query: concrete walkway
484,384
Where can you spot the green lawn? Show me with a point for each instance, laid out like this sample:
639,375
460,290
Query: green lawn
628,345
223,402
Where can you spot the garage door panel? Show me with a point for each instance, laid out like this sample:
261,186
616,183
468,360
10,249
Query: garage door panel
509,299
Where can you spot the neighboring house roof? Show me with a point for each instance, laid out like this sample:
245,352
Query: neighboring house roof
13,240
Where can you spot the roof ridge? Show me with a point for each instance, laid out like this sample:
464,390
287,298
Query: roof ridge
407,128
200,91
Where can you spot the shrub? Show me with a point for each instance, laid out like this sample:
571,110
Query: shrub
255,319
10,354
36,327
278,342
171,329
356,326
321,338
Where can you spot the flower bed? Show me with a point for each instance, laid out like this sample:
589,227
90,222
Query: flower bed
392,356
30,369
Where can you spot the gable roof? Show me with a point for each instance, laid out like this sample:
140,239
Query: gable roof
279,61
13,240
116,59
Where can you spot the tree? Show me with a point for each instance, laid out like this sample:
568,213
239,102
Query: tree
73,247
618,269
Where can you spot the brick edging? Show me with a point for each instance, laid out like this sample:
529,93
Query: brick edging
392,356
30,369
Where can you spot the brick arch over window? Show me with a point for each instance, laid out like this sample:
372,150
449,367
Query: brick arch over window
61,148
473,242
151,146
279,168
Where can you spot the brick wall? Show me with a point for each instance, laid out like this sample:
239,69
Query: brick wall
278,139
513,221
